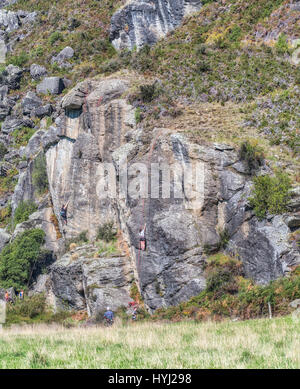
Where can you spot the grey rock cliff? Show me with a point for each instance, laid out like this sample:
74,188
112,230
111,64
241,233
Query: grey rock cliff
142,22
95,124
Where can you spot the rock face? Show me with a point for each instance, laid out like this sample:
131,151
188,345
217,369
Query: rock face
267,240
93,123
62,57
143,22
94,137
12,77
52,85
80,282
96,125
37,71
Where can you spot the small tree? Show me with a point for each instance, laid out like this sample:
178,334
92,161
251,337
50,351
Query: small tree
270,194
39,174
19,258
23,211
282,46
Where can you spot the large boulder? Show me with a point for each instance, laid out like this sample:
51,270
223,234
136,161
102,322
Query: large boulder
9,20
77,146
52,85
37,71
265,249
30,102
90,283
42,111
64,55
11,77
34,146
11,123
144,22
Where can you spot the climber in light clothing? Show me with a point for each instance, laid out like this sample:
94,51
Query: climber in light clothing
142,238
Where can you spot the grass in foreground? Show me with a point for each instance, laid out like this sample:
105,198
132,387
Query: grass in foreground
251,344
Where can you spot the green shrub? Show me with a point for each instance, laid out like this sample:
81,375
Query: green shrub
107,232
19,258
202,67
224,239
9,181
39,174
282,46
23,211
148,92
21,136
5,216
79,239
18,60
33,309
252,154
29,306
138,115
55,36
270,194
111,66
234,296
218,280
235,33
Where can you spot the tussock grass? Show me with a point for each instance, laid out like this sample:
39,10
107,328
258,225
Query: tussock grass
250,344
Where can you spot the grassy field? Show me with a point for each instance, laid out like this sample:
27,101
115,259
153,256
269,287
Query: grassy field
258,344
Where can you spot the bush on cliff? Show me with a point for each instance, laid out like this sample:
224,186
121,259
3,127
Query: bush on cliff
39,174
23,211
19,259
270,194
107,232
252,154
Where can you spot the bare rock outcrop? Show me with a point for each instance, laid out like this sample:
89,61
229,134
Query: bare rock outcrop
206,196
142,22
81,282
93,128
93,123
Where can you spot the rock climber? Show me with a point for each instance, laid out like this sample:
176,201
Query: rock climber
142,238
63,213
21,294
7,296
109,315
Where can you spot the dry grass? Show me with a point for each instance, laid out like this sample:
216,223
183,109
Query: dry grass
204,123
251,344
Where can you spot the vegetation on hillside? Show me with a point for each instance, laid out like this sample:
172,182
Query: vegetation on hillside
84,30
20,259
271,195
39,174
23,211
229,295
32,310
